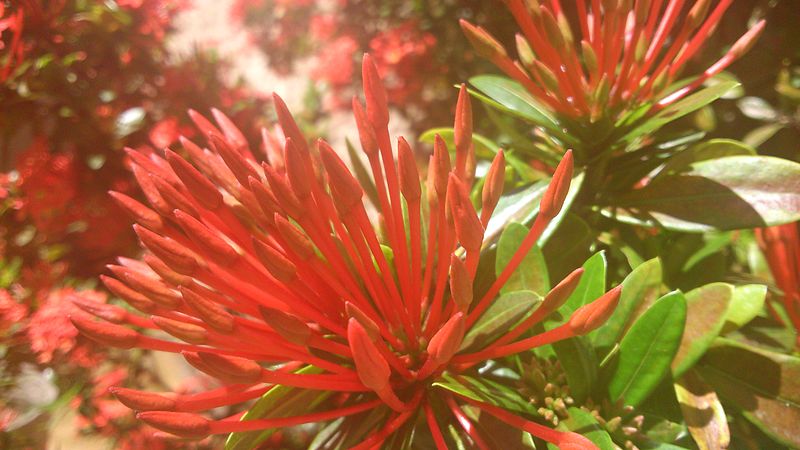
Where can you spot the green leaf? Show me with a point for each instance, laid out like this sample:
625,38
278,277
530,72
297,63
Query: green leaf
362,174
523,205
513,98
715,148
762,134
583,422
484,147
280,401
500,317
746,303
721,194
764,385
487,391
591,286
681,108
531,274
579,362
706,308
647,349
639,289
702,412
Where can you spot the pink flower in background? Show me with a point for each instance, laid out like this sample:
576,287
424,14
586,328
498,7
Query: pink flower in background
11,311
336,62
49,331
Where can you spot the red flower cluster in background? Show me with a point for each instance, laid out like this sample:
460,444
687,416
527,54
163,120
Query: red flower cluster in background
403,40
80,81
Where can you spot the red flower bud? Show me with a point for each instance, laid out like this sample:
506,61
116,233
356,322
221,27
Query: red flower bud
141,400
590,316
181,424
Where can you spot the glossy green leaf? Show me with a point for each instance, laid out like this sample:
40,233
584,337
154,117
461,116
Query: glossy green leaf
746,303
720,194
488,391
504,312
758,136
583,422
280,401
706,308
639,290
484,147
647,350
715,148
512,97
579,362
702,412
531,274
591,285
362,174
523,205
764,385
681,108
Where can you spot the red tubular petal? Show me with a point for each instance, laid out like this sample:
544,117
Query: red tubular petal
369,325
244,370
462,130
366,134
172,196
460,283
187,332
445,343
558,188
106,333
164,271
181,424
347,190
141,400
288,326
588,317
206,238
202,123
203,190
134,298
138,212
288,125
150,191
229,129
372,368
296,171
375,94
283,193
469,229
493,186
409,173
442,167
109,313
235,161
209,311
278,265
298,242
265,198
149,285
178,257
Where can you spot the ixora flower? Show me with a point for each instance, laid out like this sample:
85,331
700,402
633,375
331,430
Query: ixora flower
627,53
781,246
272,274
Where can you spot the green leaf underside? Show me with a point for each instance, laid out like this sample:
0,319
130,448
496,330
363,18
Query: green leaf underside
501,316
707,307
764,385
639,289
487,391
531,274
728,193
647,350
702,412
280,401
746,303
583,422
681,108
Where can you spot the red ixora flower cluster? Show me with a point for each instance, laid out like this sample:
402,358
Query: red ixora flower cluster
628,53
272,274
781,246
